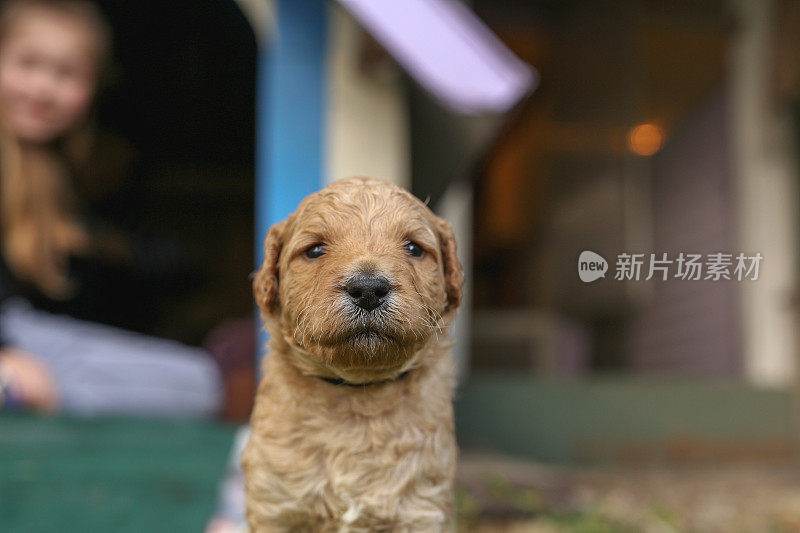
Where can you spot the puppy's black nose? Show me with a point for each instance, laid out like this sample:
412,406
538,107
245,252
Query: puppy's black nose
368,290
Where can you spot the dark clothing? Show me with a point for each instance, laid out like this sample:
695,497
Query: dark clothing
128,289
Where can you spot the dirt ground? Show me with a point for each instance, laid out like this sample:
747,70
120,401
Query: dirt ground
499,494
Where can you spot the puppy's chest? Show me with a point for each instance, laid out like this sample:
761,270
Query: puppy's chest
365,470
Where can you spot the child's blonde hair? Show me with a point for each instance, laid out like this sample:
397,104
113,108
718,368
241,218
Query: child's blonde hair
37,206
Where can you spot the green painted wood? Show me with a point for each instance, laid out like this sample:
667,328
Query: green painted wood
618,418
118,475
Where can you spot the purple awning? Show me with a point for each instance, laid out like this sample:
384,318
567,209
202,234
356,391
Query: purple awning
448,51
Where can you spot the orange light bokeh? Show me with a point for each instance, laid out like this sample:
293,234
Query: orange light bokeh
645,139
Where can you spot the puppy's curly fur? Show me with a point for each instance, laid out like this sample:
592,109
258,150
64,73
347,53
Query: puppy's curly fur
379,456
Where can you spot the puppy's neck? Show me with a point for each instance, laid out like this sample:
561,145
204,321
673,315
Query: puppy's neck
309,366
291,380
342,383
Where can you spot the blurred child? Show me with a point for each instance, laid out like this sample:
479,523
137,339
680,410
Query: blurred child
52,56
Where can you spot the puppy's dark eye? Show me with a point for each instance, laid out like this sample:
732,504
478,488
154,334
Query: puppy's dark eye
315,251
413,249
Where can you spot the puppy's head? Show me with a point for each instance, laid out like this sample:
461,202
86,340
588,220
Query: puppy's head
360,277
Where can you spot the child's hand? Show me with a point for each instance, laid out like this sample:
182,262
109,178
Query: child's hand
29,379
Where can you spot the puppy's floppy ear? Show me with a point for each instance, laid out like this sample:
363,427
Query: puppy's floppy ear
453,273
265,283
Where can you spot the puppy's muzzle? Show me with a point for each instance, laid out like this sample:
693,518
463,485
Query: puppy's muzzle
368,290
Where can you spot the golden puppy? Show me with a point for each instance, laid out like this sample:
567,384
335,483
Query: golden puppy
353,424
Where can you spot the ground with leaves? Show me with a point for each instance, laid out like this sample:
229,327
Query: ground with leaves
506,495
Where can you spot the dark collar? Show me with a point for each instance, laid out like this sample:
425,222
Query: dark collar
340,381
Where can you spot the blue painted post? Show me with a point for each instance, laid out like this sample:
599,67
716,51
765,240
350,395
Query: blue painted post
290,112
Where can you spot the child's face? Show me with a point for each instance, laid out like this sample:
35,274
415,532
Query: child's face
47,75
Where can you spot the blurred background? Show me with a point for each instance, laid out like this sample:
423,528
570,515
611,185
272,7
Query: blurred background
640,126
